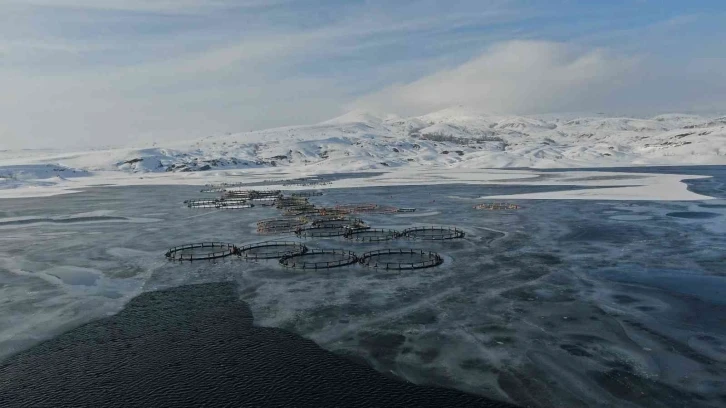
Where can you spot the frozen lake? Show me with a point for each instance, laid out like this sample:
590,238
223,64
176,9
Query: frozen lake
559,303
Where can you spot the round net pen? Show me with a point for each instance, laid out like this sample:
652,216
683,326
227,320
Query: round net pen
272,250
383,209
400,259
234,206
213,204
366,209
354,208
325,212
201,251
307,194
232,200
338,221
496,206
263,200
305,181
266,193
196,203
319,259
252,194
280,225
433,233
225,185
213,190
300,210
321,232
371,234
241,194
291,202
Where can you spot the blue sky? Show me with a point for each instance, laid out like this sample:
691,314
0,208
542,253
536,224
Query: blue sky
108,72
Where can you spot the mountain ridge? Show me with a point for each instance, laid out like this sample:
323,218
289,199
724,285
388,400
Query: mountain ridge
456,137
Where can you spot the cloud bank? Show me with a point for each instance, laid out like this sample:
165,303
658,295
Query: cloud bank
83,73
514,77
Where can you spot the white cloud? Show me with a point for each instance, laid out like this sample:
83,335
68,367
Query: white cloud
513,77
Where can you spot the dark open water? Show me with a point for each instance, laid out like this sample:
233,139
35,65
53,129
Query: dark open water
196,345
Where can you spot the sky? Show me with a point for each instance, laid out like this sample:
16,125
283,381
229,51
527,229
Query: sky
98,73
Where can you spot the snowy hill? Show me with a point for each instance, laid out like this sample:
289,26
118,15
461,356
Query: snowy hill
456,137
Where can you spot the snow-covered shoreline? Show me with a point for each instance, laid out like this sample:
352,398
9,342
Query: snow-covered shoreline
455,145
602,185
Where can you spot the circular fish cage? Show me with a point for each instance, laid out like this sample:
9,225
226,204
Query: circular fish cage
228,201
354,208
241,194
305,181
225,185
337,221
272,250
371,234
201,251
319,259
322,232
195,203
433,233
366,209
383,209
252,194
307,194
214,205
213,190
263,200
300,210
280,225
291,202
233,206
400,259
329,212
497,206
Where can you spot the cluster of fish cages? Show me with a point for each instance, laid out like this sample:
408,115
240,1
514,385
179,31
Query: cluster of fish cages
433,233
201,251
496,206
319,259
400,259
305,220
371,234
272,250
280,225
234,199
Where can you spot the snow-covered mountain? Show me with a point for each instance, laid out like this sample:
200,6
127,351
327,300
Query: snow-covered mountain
454,137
